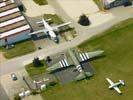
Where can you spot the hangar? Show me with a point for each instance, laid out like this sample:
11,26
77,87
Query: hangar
13,25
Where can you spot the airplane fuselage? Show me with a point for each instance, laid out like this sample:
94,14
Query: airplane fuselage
115,85
75,60
50,31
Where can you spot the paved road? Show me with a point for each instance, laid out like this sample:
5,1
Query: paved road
84,34
3,95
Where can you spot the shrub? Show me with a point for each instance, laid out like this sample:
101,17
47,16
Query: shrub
16,97
36,62
84,20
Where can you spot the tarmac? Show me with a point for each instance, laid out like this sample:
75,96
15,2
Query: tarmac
75,8
34,10
3,95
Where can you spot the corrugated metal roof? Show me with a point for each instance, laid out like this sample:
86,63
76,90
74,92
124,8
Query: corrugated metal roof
12,20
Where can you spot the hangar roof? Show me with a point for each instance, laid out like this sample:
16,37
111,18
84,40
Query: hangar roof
12,20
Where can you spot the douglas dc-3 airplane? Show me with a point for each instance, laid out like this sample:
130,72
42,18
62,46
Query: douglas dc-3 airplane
74,58
50,30
115,85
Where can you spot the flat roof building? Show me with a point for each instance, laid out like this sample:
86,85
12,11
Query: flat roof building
13,25
114,3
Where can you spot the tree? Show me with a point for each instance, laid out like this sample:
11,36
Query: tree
84,20
48,59
36,62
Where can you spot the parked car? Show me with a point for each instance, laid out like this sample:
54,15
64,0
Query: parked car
13,76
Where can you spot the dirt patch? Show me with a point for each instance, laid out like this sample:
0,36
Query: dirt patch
2,58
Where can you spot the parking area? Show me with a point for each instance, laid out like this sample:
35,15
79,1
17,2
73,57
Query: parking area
44,41
38,10
13,87
66,75
3,95
74,8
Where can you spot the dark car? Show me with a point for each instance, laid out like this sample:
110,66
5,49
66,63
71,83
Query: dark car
13,76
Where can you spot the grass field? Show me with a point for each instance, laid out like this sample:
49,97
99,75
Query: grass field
117,42
54,18
33,71
41,2
20,48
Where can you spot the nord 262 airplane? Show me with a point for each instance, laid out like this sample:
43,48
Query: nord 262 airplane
115,85
50,30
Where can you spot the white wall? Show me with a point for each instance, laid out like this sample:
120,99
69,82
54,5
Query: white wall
15,38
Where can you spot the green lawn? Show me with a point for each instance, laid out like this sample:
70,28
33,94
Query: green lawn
33,71
20,49
99,4
41,2
117,42
54,18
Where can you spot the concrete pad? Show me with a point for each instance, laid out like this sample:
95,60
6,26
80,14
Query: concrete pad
13,87
100,18
68,36
33,10
74,8
3,95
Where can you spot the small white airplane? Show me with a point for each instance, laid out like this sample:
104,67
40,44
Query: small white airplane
50,30
115,85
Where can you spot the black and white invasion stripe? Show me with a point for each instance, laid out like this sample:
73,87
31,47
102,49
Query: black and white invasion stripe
84,56
63,63
79,68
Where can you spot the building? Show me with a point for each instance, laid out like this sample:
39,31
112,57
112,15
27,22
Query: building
114,3
13,25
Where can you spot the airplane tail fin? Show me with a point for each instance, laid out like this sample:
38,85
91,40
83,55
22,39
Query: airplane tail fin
122,82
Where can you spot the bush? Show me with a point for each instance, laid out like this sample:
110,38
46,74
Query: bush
83,20
36,62
34,92
53,83
16,97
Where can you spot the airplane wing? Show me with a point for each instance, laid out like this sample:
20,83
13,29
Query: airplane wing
110,82
61,64
86,56
61,25
117,89
80,76
83,75
41,22
40,31
88,74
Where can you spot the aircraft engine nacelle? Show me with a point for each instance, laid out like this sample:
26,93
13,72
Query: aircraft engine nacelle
122,82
